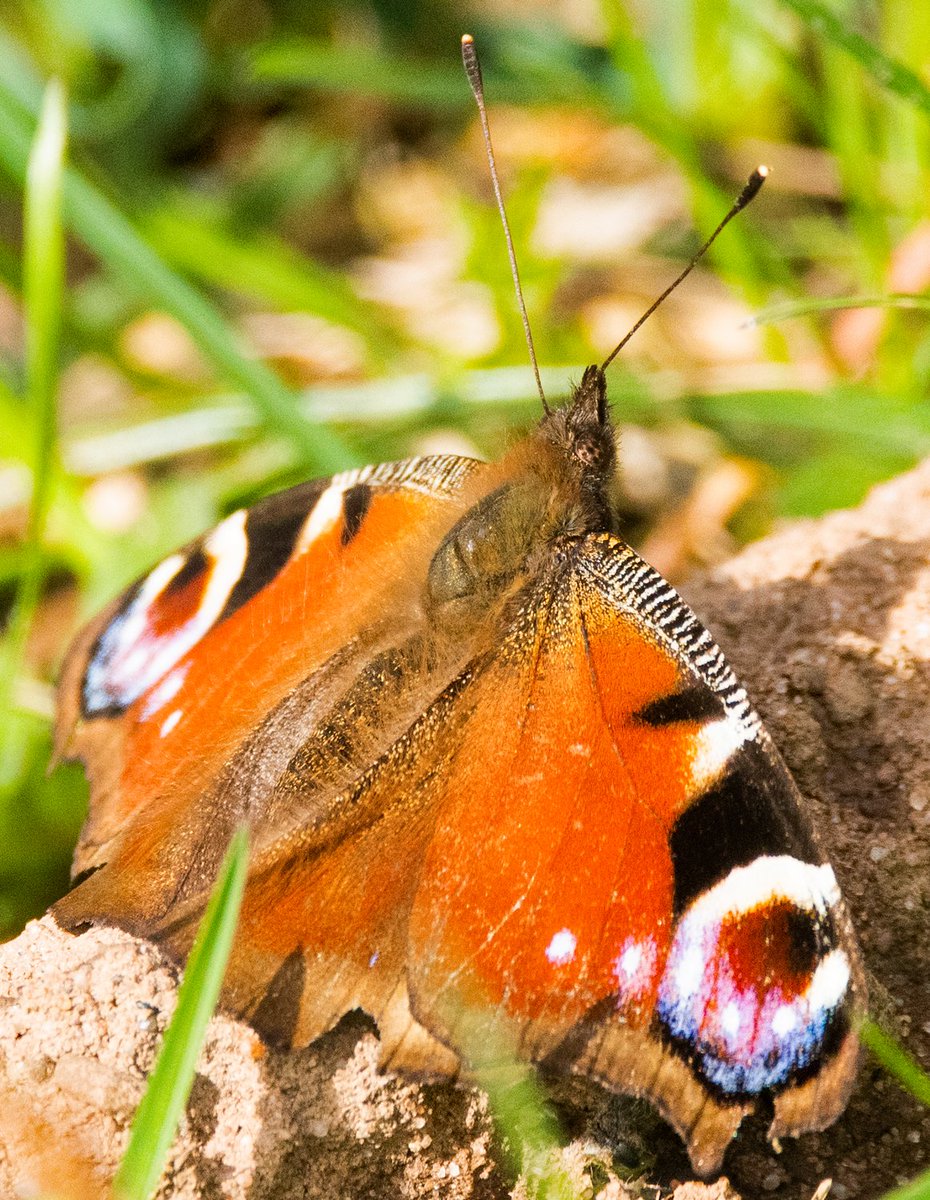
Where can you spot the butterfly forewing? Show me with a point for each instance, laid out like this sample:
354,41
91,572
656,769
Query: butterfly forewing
189,696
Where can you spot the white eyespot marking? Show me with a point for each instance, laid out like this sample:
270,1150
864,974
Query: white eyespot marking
730,1019
165,691
629,961
227,548
689,970
133,653
634,968
374,958
159,577
561,950
831,979
135,661
581,749
129,651
325,514
170,722
713,747
784,1021
811,887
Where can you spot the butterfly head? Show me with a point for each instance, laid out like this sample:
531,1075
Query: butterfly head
582,442
560,483
582,429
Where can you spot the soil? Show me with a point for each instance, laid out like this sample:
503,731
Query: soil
828,624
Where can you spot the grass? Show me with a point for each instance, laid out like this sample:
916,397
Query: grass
43,281
157,1117
887,72
224,170
896,1061
106,231
902,1067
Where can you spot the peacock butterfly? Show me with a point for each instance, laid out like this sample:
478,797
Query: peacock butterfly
502,788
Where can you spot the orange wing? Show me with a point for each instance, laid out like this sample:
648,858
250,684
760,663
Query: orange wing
189,695
585,850
621,873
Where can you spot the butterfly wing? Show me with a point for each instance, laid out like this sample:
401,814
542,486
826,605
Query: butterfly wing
575,843
188,696
621,875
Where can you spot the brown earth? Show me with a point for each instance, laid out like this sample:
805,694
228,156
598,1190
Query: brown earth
828,623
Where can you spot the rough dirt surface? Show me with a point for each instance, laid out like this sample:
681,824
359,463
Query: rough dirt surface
828,623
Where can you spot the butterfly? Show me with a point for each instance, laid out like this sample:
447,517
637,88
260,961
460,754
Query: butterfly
504,793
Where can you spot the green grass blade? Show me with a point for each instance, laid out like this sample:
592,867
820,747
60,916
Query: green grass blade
106,231
904,133
225,419
917,1189
169,1085
261,265
739,254
887,72
896,1061
43,286
361,71
529,1129
853,415
111,236
44,276
805,308
847,128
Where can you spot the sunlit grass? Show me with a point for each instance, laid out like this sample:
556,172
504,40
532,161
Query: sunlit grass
107,231
805,308
320,64
527,1129
886,71
156,1121
43,285
896,1061
902,1067
917,1189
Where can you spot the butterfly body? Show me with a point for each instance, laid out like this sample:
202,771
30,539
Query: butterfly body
504,793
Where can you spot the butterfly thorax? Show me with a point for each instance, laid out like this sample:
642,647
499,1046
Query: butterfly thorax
559,486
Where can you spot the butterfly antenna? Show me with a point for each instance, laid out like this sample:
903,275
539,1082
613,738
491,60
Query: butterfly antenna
749,192
473,71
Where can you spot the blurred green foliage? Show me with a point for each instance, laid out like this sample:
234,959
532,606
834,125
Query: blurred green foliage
221,158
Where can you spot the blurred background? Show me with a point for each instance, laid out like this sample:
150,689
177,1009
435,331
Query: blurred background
282,259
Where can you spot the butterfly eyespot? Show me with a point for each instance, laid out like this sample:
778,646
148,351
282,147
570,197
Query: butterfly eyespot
756,989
